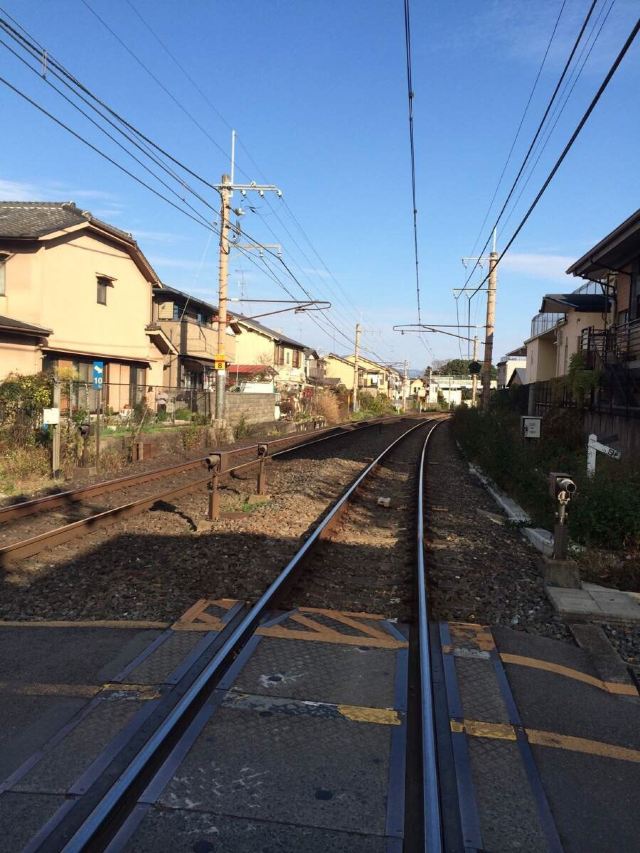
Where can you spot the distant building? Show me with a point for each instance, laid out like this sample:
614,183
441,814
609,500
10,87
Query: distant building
510,362
259,345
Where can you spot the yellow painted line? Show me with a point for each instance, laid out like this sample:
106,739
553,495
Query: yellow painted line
502,731
84,691
339,613
84,623
585,745
359,714
331,637
567,672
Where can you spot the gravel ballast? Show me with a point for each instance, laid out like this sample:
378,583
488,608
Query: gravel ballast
155,565
480,568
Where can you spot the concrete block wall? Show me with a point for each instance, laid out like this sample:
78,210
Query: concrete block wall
254,408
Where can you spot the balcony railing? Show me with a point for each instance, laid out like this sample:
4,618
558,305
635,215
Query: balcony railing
619,343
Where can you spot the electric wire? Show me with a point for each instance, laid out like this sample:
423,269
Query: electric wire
557,114
519,128
410,96
156,79
537,133
602,88
212,106
35,51
113,138
51,62
60,123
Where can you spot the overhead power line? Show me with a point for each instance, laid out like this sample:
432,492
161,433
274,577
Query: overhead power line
412,150
536,135
519,128
603,86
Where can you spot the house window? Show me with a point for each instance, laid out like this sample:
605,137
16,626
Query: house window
3,284
102,284
297,358
199,317
176,311
287,356
279,354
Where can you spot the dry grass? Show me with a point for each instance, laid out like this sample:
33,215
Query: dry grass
328,405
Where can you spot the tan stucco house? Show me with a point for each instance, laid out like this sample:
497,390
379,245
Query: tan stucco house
258,345
192,327
558,330
332,370
74,289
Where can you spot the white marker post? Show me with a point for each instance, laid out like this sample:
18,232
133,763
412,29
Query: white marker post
593,448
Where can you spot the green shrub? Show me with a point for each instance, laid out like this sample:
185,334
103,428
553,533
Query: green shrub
243,429
182,414
606,511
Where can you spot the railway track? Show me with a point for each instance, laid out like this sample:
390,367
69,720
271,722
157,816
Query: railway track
114,805
184,478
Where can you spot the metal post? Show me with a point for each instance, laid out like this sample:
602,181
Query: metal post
356,405
223,272
262,469
491,320
55,432
474,376
98,428
592,454
214,462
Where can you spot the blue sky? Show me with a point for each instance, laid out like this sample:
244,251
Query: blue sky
317,92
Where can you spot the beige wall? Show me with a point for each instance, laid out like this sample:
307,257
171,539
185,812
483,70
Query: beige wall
337,369
56,287
18,358
253,348
569,335
541,358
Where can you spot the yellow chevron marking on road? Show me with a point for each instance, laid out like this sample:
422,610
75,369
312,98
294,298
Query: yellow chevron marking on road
567,672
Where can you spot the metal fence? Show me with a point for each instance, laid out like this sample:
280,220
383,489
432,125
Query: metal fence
125,400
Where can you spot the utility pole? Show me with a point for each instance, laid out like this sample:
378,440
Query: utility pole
356,406
405,385
223,275
491,321
474,376
226,189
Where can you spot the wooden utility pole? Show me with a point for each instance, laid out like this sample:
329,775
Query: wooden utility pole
223,275
226,189
491,322
356,406
405,385
474,376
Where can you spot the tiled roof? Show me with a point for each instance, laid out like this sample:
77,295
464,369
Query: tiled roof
33,219
9,323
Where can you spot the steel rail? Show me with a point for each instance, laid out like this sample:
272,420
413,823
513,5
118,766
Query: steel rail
47,502
431,815
94,825
24,548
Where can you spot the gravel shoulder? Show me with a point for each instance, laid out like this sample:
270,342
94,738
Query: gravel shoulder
155,565
480,568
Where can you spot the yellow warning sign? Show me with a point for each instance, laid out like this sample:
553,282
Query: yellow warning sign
219,364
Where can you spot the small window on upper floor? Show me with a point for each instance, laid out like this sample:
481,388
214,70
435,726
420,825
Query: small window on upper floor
176,311
102,284
3,281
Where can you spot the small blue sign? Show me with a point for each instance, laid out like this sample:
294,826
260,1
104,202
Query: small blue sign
98,375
